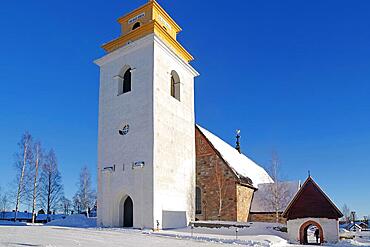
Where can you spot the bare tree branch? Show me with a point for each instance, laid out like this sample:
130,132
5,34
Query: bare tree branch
23,157
38,158
221,190
85,196
346,213
277,194
51,186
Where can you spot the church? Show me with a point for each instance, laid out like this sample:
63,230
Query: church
157,168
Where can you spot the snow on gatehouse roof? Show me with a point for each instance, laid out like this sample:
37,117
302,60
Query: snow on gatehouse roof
243,167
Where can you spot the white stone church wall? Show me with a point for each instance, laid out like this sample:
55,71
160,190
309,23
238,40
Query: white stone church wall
162,134
133,108
174,141
330,229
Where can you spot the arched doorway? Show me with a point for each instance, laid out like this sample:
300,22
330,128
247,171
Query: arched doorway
128,211
311,233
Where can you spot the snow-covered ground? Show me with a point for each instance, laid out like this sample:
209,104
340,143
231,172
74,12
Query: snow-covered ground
79,231
257,234
74,220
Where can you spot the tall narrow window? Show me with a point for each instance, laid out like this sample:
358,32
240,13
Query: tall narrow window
172,86
136,25
124,85
175,85
198,200
127,81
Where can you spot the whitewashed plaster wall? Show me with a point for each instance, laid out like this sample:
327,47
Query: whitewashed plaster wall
330,229
136,109
161,134
174,140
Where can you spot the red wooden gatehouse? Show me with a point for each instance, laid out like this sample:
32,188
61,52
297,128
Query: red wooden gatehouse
312,218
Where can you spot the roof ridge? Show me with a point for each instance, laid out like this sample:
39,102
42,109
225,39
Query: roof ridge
242,165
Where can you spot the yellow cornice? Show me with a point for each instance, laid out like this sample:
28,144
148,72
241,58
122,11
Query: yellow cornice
155,6
167,16
133,35
126,17
151,27
179,49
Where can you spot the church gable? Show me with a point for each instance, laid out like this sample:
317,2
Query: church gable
202,146
311,201
205,151
222,175
245,169
207,156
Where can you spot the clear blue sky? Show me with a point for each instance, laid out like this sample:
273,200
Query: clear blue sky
294,76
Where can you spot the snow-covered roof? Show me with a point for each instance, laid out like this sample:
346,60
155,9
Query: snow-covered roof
263,197
242,166
358,225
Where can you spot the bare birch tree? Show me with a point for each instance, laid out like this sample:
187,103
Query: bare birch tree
51,187
37,161
66,205
346,213
4,204
221,189
76,203
23,158
278,193
85,193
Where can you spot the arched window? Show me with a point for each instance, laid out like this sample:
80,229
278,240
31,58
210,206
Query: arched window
198,201
175,85
136,25
125,82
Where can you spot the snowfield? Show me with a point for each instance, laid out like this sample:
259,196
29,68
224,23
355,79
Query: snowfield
69,237
77,230
74,220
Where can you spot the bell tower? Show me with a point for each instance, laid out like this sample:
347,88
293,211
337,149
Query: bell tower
146,142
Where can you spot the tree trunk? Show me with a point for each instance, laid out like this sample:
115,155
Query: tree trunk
277,216
219,175
49,197
35,185
219,207
25,149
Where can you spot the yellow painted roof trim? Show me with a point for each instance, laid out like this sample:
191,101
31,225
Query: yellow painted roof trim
133,35
151,27
179,49
133,13
151,3
163,12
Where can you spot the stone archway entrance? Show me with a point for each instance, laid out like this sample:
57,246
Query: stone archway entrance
127,212
307,233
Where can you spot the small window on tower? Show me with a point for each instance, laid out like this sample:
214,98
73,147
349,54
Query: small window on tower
136,25
125,82
175,85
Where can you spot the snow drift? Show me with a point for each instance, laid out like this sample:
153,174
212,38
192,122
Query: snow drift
74,220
